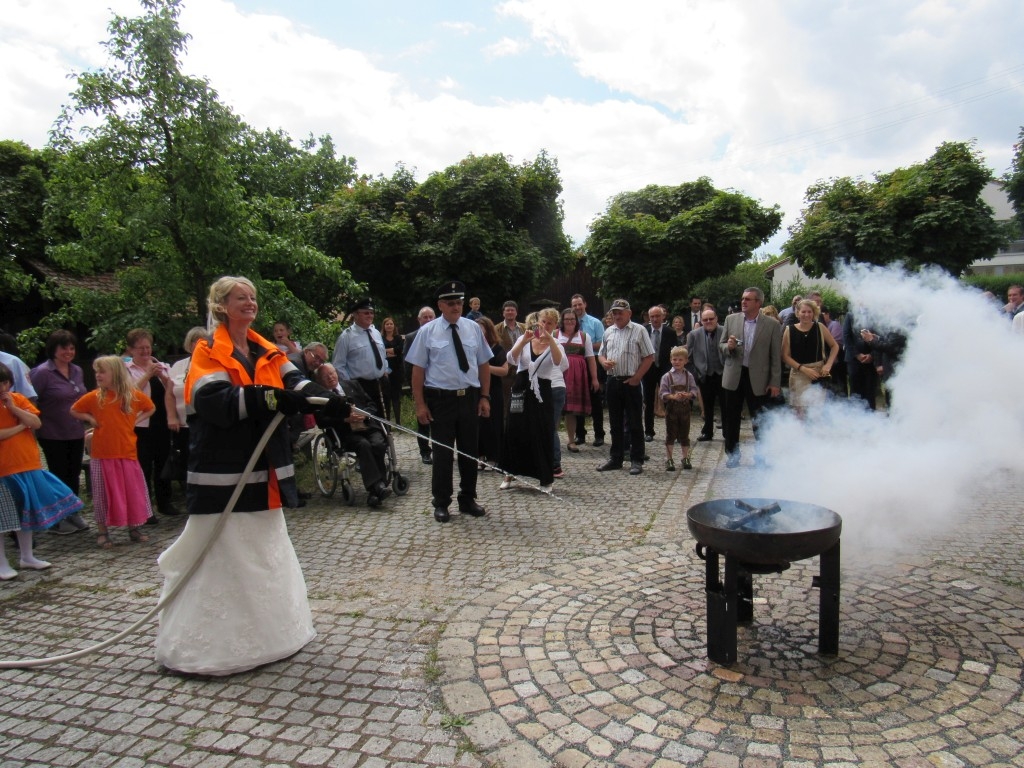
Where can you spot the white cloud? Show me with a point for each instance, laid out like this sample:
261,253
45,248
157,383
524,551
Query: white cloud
505,47
763,97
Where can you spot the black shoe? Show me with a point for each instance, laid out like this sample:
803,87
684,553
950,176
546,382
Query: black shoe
304,495
733,461
598,442
377,494
471,508
635,468
300,503
426,458
170,510
441,515
648,438
703,438
152,521
610,465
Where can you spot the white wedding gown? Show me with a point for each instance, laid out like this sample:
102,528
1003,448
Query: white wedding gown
245,606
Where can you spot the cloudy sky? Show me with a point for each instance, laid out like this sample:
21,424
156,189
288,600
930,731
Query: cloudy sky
762,96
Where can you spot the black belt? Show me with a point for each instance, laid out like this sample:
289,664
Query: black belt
450,392
621,378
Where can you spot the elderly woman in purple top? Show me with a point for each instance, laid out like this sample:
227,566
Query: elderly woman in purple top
59,383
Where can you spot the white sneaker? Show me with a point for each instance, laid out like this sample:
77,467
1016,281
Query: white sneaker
547,488
7,573
506,483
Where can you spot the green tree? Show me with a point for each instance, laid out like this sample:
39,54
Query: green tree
23,174
651,245
170,190
928,214
1014,180
725,290
494,225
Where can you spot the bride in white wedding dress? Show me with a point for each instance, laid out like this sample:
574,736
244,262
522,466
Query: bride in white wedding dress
246,604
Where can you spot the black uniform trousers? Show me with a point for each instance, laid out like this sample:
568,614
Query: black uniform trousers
455,423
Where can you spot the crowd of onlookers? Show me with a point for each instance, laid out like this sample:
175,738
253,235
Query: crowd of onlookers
550,378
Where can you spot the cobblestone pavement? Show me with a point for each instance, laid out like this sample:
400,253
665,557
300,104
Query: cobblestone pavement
565,632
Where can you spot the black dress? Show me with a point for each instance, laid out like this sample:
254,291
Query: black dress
491,429
529,448
396,379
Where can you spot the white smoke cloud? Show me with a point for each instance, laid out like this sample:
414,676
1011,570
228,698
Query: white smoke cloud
954,424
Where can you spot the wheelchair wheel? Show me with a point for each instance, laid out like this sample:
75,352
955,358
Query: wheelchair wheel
348,493
400,485
325,465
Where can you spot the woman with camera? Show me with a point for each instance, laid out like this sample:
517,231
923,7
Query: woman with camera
538,394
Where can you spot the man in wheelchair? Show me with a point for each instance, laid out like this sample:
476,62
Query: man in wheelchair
357,433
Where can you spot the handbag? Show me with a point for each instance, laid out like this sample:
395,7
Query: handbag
174,468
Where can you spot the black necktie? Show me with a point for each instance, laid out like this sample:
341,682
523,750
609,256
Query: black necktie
376,352
459,351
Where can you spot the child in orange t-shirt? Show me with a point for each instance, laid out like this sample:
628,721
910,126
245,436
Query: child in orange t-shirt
31,499
113,409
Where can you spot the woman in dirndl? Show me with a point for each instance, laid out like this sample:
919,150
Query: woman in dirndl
581,375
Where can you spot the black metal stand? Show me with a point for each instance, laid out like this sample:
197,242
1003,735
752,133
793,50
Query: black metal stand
828,601
731,600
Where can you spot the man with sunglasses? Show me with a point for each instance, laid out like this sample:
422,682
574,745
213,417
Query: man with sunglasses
451,390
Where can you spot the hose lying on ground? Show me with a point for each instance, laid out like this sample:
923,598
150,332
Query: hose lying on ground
166,599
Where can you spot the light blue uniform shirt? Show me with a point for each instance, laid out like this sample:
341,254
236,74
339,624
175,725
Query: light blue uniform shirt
432,350
22,384
353,356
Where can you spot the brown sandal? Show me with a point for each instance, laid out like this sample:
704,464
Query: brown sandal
103,541
136,535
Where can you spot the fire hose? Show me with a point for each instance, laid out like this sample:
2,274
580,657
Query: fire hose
173,593
166,599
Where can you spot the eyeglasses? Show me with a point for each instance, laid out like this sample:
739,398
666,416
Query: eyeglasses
707,319
317,360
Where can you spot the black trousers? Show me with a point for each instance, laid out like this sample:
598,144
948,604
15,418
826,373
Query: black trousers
596,409
370,446
652,380
732,408
64,459
154,446
625,410
455,424
864,383
710,391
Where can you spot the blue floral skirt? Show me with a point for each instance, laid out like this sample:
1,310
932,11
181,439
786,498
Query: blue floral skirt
41,499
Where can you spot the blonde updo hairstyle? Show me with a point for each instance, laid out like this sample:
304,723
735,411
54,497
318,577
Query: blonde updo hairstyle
219,292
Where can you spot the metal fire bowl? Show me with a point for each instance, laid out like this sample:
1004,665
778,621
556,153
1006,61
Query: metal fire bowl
796,532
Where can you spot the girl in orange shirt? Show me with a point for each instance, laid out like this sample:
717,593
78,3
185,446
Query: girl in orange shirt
119,495
31,499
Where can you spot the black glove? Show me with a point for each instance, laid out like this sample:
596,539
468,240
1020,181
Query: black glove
261,399
337,407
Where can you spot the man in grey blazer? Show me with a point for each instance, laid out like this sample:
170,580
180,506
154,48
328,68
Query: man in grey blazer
752,350
706,363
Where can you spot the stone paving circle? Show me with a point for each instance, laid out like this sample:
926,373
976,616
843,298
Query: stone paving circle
555,631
